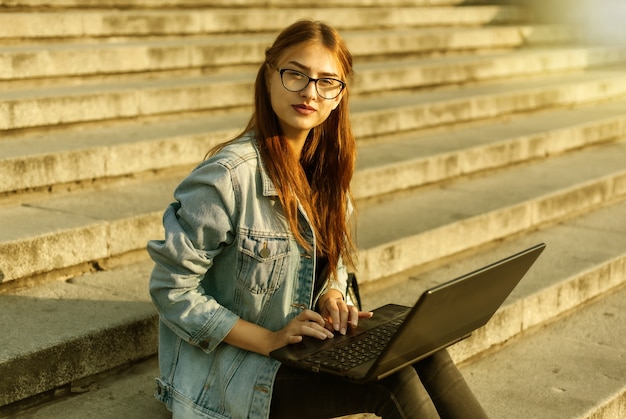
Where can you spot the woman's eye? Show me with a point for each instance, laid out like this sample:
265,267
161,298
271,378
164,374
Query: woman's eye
294,75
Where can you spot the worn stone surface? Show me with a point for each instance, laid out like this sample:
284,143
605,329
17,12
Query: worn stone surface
562,370
58,333
479,134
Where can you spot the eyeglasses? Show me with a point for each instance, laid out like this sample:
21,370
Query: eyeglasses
295,81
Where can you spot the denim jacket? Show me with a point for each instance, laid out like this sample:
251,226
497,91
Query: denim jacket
228,253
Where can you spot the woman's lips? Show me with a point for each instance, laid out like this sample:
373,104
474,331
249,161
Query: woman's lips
303,109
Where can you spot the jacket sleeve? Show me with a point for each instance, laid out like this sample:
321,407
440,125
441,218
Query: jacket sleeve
197,227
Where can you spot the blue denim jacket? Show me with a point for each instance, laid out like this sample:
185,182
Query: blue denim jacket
228,253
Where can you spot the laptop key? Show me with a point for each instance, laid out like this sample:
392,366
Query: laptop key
358,351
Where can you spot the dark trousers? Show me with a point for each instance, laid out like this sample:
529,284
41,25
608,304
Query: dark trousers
431,388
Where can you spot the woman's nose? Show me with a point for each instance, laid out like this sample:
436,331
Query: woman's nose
309,91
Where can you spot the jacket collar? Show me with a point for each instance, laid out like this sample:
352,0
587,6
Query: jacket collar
268,186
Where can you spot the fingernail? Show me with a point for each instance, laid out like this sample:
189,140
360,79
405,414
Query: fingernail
336,326
343,330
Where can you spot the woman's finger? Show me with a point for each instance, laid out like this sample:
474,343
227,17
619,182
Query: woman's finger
365,314
353,316
310,323
311,316
344,316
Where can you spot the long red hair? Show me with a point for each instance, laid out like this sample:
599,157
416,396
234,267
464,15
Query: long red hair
320,181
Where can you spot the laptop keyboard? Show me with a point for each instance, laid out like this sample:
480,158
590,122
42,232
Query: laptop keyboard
357,350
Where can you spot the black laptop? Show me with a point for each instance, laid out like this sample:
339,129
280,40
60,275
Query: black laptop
397,336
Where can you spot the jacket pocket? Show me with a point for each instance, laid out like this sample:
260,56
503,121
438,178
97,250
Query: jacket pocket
262,261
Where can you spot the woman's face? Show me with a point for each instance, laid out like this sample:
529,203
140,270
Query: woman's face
299,112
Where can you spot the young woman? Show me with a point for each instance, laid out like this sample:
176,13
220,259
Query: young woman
255,254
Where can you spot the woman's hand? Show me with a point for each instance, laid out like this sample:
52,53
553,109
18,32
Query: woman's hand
252,337
334,314
307,323
338,314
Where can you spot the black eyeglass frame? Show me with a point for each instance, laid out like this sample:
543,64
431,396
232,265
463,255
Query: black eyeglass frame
281,71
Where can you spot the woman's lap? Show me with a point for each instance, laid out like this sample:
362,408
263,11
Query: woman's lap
303,394
431,388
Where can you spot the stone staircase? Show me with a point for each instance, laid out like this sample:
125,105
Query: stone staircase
480,133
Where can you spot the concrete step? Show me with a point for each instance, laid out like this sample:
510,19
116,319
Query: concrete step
82,230
432,223
181,4
585,258
127,394
573,368
393,113
427,109
82,58
43,159
152,55
39,160
416,159
210,20
372,116
59,232
467,69
189,57
75,329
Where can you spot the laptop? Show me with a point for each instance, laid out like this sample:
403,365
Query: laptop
397,336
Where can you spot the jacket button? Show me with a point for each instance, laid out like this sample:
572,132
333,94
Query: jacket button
264,252
204,344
